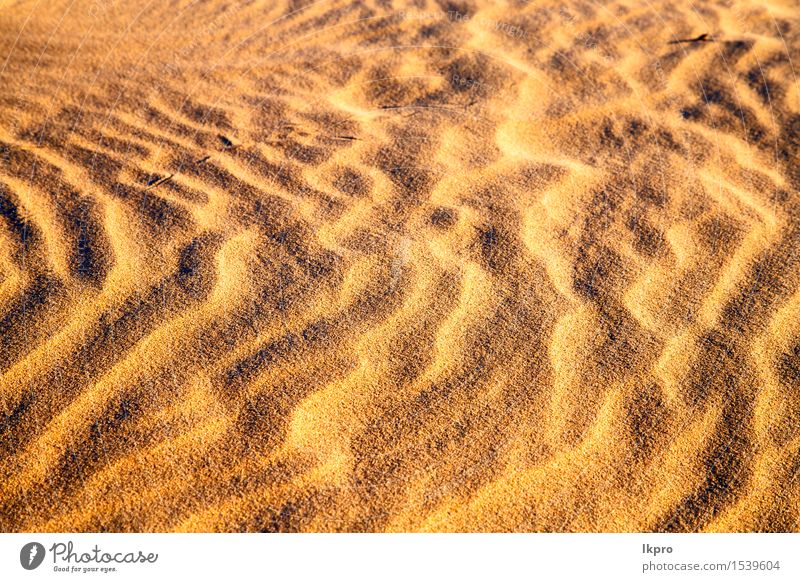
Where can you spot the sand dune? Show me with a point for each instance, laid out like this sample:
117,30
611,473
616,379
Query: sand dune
399,266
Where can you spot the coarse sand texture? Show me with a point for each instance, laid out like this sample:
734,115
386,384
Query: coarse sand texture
456,265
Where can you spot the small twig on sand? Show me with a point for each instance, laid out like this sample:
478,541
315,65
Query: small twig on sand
225,141
702,38
157,182
415,108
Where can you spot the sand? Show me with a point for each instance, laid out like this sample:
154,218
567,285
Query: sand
399,266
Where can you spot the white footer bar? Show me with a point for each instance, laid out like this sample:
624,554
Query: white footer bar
378,557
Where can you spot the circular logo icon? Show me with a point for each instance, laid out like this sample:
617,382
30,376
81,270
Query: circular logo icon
31,555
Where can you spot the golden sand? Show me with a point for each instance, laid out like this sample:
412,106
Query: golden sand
399,266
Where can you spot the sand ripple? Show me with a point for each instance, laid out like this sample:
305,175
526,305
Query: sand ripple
471,266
